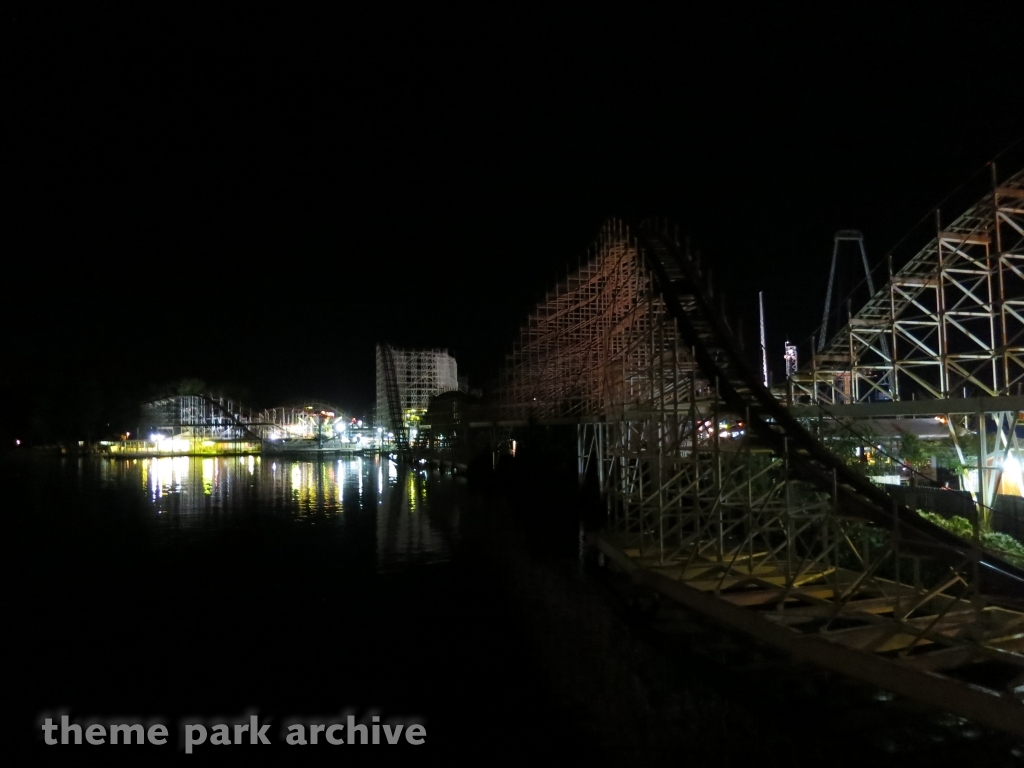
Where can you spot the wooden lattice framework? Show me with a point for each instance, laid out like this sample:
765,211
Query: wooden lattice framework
947,326
719,497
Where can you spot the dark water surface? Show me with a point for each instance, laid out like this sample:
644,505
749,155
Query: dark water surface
208,588
177,587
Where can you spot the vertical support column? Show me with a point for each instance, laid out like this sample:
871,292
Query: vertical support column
814,373
750,504
661,411
718,507
695,446
1005,439
581,464
940,308
853,386
993,337
896,534
983,502
1005,337
894,354
764,348
789,512
661,510
654,421
831,518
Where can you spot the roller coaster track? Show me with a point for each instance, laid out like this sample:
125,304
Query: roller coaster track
717,354
950,318
766,531
206,417
394,400
179,411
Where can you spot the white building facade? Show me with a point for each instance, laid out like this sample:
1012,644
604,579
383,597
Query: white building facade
421,374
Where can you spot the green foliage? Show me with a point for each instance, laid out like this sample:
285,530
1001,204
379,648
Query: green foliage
1002,543
845,445
917,452
970,444
854,448
913,450
961,526
946,455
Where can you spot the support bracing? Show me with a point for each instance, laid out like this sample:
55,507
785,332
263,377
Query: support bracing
719,497
949,323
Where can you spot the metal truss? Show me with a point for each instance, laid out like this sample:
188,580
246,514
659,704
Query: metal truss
419,375
948,323
206,418
200,417
307,421
721,499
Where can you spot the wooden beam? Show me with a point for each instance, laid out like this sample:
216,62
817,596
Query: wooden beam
1006,650
908,281
1013,192
966,238
893,635
970,701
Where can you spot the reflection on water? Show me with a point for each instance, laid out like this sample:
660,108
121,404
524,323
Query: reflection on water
415,513
405,526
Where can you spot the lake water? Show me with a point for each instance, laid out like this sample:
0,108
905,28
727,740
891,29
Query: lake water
175,587
198,588
190,495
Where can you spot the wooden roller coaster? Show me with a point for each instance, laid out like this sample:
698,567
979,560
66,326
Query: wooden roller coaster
720,498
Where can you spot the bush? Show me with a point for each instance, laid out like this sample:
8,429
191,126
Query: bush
1002,543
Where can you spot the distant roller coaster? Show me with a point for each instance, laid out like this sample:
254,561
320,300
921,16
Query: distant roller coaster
204,417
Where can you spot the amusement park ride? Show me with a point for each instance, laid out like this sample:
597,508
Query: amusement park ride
765,528
202,423
726,496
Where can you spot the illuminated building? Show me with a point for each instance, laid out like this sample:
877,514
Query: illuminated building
420,374
203,424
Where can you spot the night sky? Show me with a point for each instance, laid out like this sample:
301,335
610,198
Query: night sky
257,199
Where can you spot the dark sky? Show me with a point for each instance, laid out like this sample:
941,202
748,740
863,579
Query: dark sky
257,198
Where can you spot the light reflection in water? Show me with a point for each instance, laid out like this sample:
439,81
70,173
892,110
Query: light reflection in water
315,487
163,476
208,476
412,514
406,530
